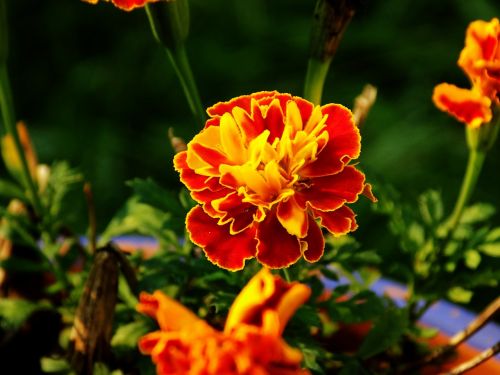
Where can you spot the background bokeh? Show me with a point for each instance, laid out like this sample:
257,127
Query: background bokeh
96,90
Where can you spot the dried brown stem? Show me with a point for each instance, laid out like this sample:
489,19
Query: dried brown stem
476,361
458,338
89,196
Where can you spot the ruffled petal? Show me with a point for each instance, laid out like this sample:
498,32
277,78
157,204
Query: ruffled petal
169,314
243,102
467,106
314,242
275,120
221,248
276,248
240,215
338,222
189,177
130,4
344,143
331,192
293,217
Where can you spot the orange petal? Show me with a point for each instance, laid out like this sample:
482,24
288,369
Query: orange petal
275,120
243,102
221,248
276,247
192,180
266,292
131,4
467,106
344,143
314,242
331,192
338,222
293,217
170,314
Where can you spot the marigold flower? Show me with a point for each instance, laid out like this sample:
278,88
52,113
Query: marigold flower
480,59
264,169
251,343
125,4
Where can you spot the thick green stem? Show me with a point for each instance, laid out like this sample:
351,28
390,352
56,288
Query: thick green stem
317,71
9,120
180,62
474,166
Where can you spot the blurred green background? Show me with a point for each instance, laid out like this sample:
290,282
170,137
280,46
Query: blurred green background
95,89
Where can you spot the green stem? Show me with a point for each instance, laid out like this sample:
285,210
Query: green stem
180,62
286,274
9,120
474,166
317,71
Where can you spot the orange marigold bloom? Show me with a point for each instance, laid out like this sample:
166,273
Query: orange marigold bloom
125,4
264,169
251,343
480,59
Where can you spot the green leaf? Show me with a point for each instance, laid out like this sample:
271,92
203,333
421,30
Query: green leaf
127,336
459,294
139,218
477,213
13,312
491,249
493,235
149,192
431,207
472,259
386,332
55,365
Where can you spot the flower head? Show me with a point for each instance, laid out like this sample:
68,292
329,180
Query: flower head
125,4
480,60
265,169
251,343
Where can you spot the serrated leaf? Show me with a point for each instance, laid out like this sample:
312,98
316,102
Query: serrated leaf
459,294
472,259
491,249
386,332
149,192
477,213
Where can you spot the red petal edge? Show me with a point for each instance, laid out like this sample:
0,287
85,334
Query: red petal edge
221,248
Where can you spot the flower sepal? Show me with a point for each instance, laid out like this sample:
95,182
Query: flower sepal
483,138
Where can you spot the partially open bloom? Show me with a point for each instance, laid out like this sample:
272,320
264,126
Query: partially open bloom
480,60
265,169
251,343
125,4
